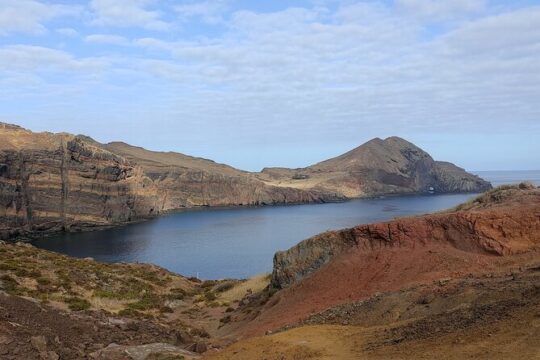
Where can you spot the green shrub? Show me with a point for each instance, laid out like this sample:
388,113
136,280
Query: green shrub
224,286
43,280
147,302
165,309
9,284
77,304
28,273
209,296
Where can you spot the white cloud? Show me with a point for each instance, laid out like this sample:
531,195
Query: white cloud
128,13
154,44
29,58
68,32
209,11
28,16
106,39
502,35
360,64
441,10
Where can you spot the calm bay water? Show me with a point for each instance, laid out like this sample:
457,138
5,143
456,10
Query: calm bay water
241,242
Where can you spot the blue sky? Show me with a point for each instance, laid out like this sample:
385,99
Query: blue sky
279,83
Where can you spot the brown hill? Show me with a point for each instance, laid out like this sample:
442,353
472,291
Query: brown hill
52,182
487,316
388,166
498,231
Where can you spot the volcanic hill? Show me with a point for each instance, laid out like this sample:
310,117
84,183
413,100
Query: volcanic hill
62,182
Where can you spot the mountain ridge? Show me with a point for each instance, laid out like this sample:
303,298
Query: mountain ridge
62,182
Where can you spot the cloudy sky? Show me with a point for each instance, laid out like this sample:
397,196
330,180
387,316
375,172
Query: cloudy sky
279,83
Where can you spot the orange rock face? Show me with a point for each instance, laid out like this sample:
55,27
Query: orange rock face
501,230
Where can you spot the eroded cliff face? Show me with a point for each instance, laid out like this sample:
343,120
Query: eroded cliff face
54,182
69,185
501,222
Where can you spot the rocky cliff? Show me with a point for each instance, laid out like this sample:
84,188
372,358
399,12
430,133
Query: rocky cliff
503,221
390,166
52,182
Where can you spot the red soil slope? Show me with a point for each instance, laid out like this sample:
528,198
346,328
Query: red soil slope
498,232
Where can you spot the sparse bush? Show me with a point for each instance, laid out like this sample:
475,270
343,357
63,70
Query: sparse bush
43,280
208,284
176,294
495,195
28,273
165,309
526,185
8,284
128,312
9,265
147,302
209,296
225,320
77,304
224,286
199,332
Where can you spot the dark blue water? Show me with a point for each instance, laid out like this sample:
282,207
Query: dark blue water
239,242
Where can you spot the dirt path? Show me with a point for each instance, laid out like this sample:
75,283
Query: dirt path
326,342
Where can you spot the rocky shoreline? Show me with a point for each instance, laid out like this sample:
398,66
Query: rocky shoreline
62,182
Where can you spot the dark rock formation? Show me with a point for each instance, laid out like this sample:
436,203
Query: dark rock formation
501,222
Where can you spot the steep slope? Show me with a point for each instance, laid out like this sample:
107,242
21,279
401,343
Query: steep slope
388,166
497,232
487,316
54,182
51,182
186,181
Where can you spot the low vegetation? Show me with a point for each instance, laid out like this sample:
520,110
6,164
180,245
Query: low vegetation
494,196
83,284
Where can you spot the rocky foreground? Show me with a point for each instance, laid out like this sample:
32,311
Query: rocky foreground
464,283
56,307
62,182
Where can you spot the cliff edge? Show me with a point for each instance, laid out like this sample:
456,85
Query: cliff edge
63,182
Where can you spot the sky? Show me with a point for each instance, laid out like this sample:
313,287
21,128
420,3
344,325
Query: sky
279,83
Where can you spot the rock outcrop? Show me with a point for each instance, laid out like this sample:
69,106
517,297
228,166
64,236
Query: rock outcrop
62,182
390,166
54,182
503,221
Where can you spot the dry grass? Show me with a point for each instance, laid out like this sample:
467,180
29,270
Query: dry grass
255,284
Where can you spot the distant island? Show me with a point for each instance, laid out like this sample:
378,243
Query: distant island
62,182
